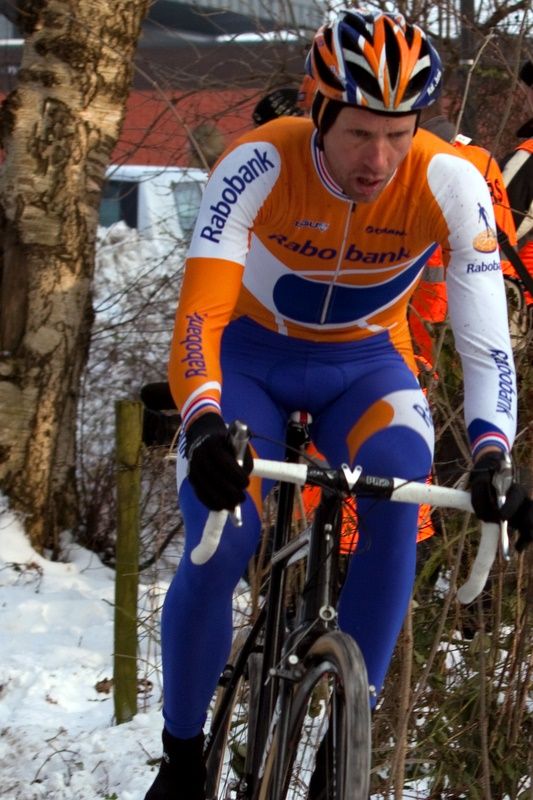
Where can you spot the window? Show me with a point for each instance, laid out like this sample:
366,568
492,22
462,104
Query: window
119,202
187,197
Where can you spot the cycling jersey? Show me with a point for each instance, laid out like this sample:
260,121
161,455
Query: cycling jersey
429,301
278,242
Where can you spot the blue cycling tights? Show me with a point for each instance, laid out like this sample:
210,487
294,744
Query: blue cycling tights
367,409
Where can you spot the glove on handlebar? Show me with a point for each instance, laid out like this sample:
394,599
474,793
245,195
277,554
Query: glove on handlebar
215,475
518,510
482,489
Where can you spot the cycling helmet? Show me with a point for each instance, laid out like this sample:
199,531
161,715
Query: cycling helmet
376,61
279,103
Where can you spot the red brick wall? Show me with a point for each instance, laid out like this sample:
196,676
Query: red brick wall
155,127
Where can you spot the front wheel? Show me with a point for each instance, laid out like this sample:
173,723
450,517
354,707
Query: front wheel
323,753
234,720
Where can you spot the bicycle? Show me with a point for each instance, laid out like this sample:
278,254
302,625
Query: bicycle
295,688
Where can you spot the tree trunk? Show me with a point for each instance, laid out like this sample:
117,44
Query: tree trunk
59,128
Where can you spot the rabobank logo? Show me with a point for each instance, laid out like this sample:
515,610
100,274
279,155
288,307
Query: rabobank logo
194,346
483,266
352,253
506,382
233,186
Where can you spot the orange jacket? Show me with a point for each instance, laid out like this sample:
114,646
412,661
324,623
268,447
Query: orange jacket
527,144
526,252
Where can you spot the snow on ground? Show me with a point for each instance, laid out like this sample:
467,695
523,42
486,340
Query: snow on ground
57,737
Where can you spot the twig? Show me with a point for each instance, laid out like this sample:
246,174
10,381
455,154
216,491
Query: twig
488,39
483,706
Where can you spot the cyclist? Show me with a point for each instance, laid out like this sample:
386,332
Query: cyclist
311,237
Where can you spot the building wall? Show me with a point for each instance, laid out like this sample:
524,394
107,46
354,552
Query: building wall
282,13
157,129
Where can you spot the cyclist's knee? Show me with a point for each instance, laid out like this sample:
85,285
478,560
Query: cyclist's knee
397,451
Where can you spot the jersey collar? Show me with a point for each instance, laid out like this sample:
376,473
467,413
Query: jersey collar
322,171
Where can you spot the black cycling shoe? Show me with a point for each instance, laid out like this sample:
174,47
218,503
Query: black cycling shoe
181,773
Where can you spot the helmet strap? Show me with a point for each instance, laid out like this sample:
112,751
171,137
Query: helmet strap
324,112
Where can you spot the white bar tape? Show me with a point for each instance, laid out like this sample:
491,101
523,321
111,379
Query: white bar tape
488,546
437,496
280,471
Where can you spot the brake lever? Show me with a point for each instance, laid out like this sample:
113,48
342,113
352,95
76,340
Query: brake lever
239,435
502,481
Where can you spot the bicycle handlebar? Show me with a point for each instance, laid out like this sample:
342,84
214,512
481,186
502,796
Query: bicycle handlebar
357,483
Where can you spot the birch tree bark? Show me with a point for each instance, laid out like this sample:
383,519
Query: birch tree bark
58,130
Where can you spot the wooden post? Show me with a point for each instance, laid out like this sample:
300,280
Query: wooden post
128,420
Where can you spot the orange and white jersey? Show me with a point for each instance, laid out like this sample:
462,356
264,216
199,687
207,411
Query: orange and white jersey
429,301
277,241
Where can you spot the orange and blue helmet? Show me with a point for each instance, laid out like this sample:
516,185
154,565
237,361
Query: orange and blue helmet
375,61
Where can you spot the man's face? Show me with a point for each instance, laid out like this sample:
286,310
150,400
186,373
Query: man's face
363,150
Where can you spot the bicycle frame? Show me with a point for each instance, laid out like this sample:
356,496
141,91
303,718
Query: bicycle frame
273,640
316,615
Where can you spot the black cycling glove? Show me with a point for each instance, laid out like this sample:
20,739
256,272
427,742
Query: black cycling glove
482,489
518,510
215,475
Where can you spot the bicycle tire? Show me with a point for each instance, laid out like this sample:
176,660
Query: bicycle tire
227,753
334,661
